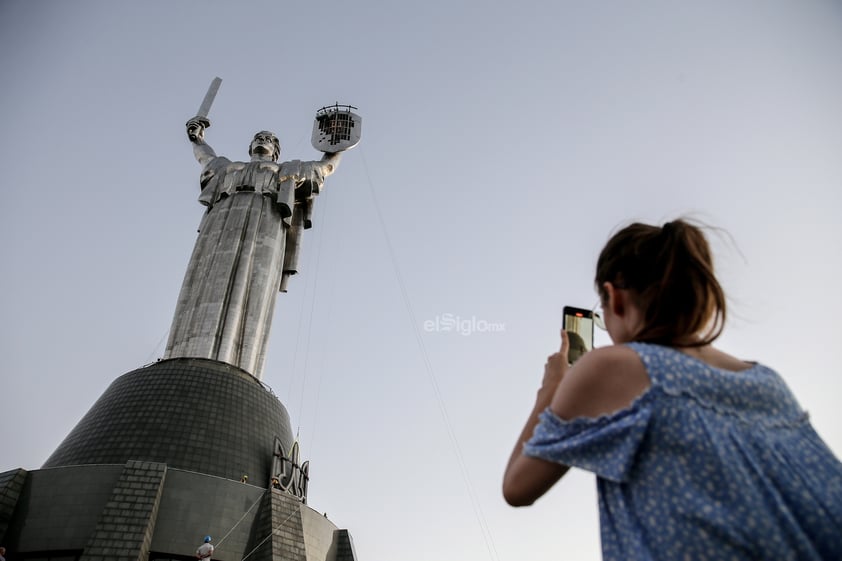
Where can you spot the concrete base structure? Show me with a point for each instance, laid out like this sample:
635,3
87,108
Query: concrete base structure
155,465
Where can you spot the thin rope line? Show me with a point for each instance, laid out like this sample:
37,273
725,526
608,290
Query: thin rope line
319,378
484,529
156,350
320,369
278,527
219,543
298,335
309,287
310,319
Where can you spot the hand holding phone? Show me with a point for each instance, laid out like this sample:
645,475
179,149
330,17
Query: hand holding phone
579,324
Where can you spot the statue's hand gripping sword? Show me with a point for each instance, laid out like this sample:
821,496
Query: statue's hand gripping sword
197,125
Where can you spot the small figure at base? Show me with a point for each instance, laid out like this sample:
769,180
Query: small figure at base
205,550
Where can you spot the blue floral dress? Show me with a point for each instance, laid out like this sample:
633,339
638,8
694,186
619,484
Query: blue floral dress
707,464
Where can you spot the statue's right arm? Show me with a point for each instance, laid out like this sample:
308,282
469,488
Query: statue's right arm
203,152
196,133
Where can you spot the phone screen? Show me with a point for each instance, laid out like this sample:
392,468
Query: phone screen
578,322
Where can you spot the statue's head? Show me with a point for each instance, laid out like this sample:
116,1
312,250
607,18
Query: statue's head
266,143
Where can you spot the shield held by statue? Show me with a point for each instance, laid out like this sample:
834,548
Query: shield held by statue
336,128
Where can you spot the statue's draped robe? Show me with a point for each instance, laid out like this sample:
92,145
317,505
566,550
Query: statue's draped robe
225,307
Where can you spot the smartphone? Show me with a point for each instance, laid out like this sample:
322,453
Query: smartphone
578,322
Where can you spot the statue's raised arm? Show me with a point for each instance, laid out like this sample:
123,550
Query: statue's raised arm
335,129
196,133
197,125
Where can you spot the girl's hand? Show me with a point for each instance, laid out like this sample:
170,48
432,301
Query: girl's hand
527,478
556,367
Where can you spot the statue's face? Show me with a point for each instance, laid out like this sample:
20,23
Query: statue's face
264,143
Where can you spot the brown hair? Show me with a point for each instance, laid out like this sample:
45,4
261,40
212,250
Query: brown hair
669,270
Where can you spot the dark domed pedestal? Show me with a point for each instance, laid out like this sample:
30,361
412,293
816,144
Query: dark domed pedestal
193,414
156,464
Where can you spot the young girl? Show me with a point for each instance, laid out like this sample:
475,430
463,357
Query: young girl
698,454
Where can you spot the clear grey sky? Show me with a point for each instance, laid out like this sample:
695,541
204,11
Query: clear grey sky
502,143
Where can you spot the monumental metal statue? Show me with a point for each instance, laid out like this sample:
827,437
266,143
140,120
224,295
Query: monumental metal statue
249,237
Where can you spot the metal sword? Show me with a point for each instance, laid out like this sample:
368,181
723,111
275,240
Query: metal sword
204,108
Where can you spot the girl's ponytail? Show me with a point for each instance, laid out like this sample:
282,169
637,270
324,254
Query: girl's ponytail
670,272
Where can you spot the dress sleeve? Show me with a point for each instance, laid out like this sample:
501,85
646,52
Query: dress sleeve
605,446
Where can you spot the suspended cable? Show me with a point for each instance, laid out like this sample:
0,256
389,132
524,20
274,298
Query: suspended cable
156,350
275,529
320,369
298,335
297,342
309,338
219,543
484,529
